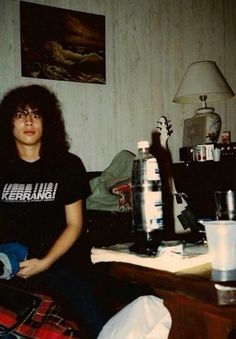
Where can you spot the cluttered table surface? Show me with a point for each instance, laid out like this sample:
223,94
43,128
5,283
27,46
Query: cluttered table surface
181,275
172,256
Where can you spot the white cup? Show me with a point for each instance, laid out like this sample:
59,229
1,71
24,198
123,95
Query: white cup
216,154
221,239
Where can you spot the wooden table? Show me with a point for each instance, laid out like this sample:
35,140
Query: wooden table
198,309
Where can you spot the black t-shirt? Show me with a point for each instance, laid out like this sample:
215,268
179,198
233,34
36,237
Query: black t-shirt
33,198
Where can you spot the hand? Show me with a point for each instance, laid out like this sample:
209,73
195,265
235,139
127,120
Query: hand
31,267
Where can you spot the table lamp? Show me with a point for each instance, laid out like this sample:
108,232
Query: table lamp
202,82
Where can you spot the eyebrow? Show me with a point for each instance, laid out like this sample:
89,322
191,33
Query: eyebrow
27,110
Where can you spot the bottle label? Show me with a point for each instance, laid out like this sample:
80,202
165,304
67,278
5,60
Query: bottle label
152,170
147,195
152,209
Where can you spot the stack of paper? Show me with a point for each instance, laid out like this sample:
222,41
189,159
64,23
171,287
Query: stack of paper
171,259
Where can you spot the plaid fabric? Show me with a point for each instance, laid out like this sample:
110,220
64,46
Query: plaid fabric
45,323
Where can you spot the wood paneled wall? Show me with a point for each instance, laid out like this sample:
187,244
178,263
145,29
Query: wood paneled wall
149,44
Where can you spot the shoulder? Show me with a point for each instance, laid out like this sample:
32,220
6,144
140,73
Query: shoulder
70,164
74,176
71,159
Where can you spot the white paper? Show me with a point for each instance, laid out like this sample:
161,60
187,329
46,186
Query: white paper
171,261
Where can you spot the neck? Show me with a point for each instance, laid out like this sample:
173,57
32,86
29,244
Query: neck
28,153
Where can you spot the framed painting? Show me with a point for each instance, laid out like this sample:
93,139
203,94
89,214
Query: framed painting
61,44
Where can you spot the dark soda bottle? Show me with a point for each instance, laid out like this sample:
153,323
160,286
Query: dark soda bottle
147,203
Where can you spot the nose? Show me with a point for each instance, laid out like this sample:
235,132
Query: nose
28,120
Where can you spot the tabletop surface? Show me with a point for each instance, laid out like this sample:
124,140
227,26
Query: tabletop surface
187,272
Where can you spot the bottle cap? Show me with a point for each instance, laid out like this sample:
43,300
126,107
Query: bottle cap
143,144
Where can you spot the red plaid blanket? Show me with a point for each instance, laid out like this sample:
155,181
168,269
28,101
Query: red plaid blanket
45,323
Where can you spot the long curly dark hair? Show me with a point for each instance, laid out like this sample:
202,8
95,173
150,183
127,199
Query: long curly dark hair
54,138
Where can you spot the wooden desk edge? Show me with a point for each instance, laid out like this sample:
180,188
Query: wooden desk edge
166,282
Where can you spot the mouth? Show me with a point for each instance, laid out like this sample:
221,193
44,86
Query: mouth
29,132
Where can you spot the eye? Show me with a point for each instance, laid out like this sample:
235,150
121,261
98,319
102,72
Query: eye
36,115
19,115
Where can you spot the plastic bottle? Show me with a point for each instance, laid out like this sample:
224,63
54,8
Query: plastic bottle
147,205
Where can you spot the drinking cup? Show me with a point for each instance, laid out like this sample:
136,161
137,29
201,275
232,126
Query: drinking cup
225,202
221,239
216,154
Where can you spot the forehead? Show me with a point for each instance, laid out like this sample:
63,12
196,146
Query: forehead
26,108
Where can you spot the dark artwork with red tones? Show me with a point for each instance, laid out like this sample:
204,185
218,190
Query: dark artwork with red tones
61,44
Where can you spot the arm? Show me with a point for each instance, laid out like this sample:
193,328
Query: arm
72,231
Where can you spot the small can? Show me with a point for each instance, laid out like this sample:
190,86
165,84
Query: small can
200,153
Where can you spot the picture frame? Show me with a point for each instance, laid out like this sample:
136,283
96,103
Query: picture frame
62,44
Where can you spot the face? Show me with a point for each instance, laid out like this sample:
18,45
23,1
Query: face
27,127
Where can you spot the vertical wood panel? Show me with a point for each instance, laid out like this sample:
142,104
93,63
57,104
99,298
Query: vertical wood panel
149,44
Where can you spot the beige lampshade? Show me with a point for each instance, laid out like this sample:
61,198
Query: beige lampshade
203,78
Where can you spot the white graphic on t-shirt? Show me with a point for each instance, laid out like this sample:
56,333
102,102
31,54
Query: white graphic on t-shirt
29,192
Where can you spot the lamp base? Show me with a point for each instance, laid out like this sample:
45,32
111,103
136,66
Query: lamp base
212,124
203,128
